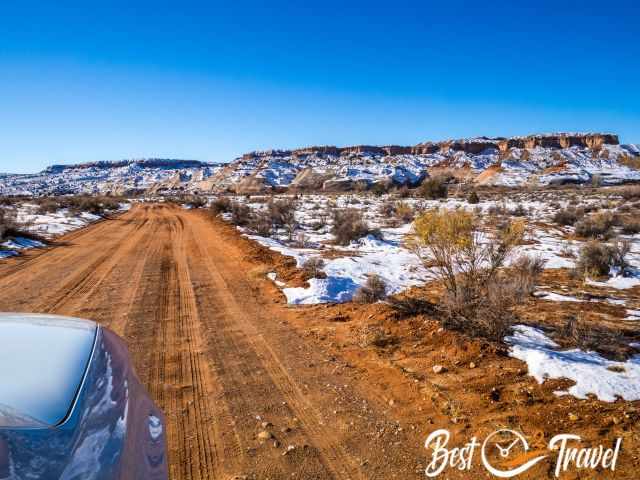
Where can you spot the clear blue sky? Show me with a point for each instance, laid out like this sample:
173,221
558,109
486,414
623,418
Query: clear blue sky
211,80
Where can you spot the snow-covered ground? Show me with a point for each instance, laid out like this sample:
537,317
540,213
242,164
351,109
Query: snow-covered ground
48,226
592,373
347,268
391,259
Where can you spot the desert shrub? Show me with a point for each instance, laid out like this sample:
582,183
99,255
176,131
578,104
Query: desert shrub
631,192
630,226
434,187
473,198
408,306
580,333
387,209
349,225
375,336
283,214
598,225
91,204
240,213
478,297
260,223
404,212
48,205
373,290
7,222
619,251
220,205
312,268
595,259
568,216
196,201
10,227
497,210
403,192
525,271
518,211
380,188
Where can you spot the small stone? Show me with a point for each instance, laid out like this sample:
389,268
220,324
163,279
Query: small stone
285,429
392,402
439,369
276,443
573,417
472,365
290,448
264,435
266,424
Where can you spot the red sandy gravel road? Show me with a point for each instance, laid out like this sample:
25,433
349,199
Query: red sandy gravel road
215,351
227,360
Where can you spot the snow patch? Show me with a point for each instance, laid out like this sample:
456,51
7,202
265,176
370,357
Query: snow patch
592,373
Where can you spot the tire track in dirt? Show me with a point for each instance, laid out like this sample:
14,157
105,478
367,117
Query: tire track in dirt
83,286
255,351
206,347
52,253
179,377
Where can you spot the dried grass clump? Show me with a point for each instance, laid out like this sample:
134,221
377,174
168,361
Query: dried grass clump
375,289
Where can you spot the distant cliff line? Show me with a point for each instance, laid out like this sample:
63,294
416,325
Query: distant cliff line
144,163
472,146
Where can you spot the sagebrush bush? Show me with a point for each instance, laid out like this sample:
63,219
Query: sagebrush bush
373,290
10,227
398,210
478,298
404,212
312,268
580,333
349,224
7,222
220,205
434,188
473,198
48,205
240,213
599,225
525,271
568,216
282,213
260,223
595,259
196,201
95,205
518,211
630,226
387,209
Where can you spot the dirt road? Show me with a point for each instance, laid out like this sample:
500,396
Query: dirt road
217,353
